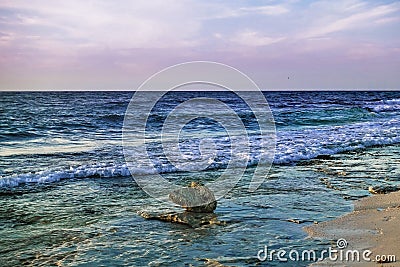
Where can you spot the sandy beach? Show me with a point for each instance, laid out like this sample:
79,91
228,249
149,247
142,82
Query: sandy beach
373,225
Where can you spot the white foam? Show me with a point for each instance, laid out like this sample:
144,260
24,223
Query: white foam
384,105
292,146
101,170
307,144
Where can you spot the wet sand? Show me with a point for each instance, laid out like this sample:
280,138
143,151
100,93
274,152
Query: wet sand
373,225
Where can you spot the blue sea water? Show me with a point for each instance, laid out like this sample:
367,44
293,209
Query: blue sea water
68,197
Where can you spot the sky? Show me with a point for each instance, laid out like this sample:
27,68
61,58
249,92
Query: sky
117,45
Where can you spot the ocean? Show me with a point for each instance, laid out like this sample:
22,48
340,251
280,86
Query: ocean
69,197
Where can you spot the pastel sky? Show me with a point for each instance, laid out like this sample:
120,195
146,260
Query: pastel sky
102,44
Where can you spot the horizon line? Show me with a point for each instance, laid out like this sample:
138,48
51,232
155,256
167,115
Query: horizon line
202,90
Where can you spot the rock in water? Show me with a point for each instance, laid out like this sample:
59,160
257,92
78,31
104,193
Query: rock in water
199,203
383,189
195,198
192,219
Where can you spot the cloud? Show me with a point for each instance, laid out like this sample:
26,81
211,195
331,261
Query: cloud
387,20
353,16
223,12
254,38
270,10
123,24
266,10
85,41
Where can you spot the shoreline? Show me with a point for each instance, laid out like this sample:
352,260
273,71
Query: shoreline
373,225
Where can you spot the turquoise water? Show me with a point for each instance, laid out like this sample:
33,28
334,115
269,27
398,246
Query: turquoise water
67,196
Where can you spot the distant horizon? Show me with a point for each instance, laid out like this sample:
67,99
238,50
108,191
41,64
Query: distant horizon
179,90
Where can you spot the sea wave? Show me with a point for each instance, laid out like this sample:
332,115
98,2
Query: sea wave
384,105
292,146
49,176
310,143
16,135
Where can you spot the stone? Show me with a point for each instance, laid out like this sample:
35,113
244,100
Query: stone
192,219
383,189
195,198
199,203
